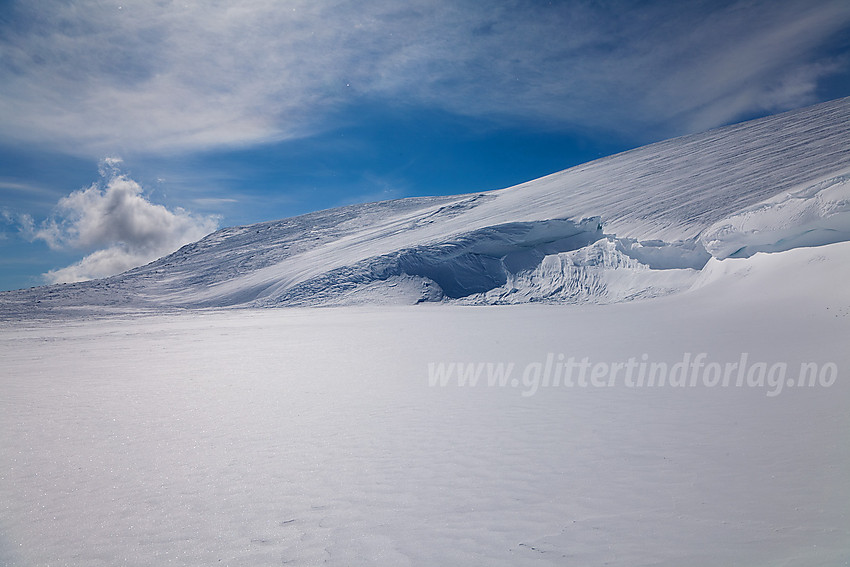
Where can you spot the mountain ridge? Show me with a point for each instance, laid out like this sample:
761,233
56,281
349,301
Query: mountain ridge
637,224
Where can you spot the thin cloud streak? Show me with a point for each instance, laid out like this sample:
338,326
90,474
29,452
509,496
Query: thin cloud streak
162,77
749,58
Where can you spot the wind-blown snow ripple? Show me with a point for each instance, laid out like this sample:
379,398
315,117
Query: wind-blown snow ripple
762,186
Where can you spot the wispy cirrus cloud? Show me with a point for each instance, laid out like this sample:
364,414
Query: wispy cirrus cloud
746,57
166,76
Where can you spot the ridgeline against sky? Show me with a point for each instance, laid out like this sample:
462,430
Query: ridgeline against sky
201,115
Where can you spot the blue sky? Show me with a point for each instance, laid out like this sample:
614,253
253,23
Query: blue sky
130,128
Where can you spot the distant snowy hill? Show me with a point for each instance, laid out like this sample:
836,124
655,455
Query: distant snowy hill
706,426
639,224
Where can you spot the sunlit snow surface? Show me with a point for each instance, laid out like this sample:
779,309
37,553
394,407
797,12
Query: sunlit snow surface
635,225
312,436
161,417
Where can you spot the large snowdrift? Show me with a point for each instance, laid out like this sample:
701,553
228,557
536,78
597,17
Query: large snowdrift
812,216
316,436
638,224
308,436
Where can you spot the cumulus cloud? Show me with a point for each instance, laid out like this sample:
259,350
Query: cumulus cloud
169,75
116,222
98,264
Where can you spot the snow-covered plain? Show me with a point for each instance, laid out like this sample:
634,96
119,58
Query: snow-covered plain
311,436
160,417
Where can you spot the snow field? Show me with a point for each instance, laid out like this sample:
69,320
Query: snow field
138,432
308,436
635,225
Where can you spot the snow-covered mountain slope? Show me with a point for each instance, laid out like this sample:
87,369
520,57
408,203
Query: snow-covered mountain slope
638,224
328,436
701,428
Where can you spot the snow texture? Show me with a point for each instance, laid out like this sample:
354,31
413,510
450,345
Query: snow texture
635,225
312,436
147,421
812,216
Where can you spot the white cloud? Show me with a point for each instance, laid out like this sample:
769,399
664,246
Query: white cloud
117,221
23,222
98,264
749,57
161,76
